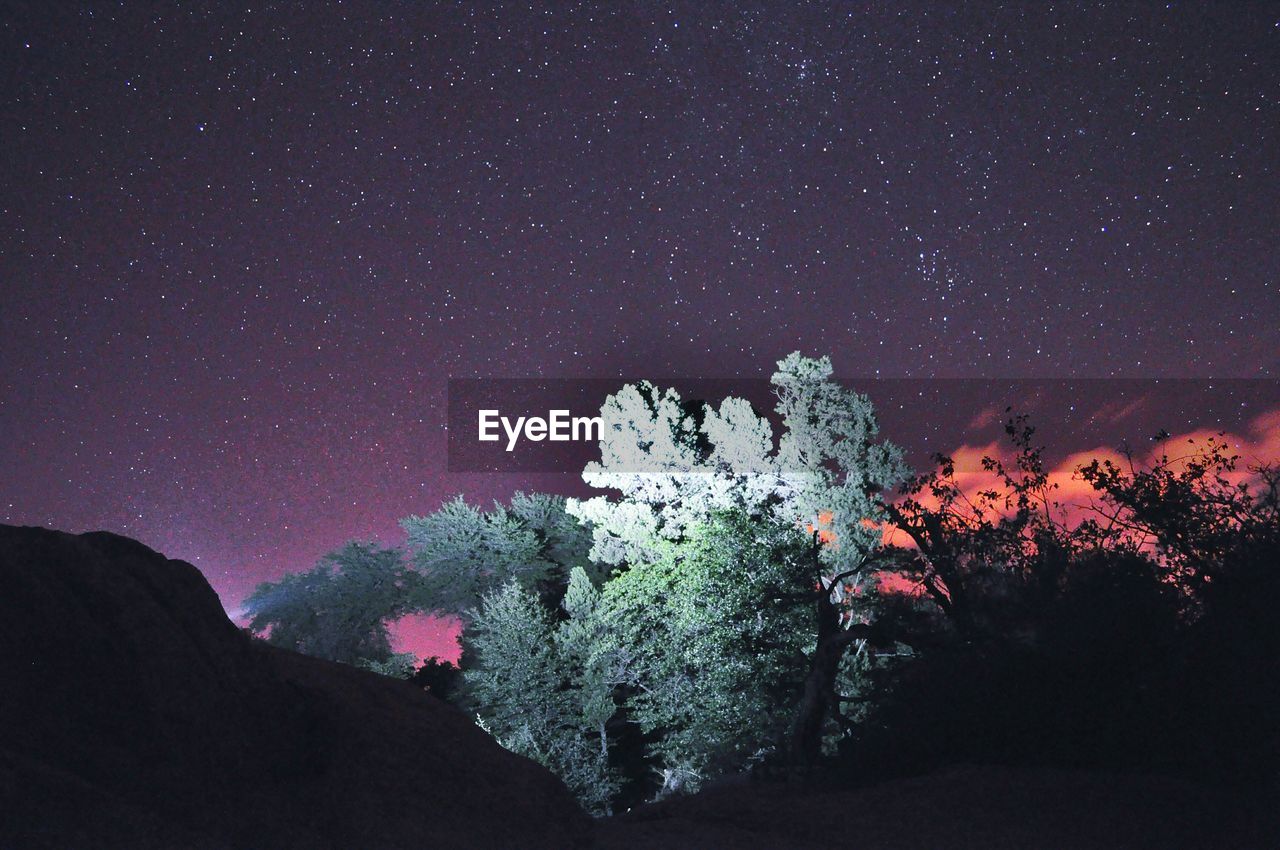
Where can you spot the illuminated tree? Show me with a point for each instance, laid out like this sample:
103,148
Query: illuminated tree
542,689
714,638
678,464
463,552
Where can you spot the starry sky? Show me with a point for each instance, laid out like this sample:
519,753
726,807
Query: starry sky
243,249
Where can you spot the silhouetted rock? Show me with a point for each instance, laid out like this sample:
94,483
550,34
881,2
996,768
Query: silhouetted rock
135,714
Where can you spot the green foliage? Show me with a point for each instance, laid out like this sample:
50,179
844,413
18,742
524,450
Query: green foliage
715,637
515,683
543,690
678,466
706,629
720,606
338,610
593,671
463,552
534,673
564,541
398,666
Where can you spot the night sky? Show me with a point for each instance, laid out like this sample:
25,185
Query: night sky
243,251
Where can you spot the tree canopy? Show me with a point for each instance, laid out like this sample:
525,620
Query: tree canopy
340,609
718,608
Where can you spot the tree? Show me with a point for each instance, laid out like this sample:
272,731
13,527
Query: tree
338,610
1134,631
520,579
593,671
400,665
437,677
1214,530
515,684
542,690
713,639
1204,519
969,544
463,552
676,464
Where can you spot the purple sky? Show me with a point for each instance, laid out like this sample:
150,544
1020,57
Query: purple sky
243,251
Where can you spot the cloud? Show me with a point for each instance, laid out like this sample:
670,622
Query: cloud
1119,411
985,417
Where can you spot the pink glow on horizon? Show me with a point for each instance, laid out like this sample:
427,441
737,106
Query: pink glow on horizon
425,636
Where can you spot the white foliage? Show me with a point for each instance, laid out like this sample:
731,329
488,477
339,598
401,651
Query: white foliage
672,472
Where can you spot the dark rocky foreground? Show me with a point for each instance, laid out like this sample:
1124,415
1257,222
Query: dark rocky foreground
973,808
134,714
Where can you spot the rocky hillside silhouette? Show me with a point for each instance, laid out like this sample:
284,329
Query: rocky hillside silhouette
135,714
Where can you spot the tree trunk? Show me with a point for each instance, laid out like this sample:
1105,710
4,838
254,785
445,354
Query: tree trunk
819,700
